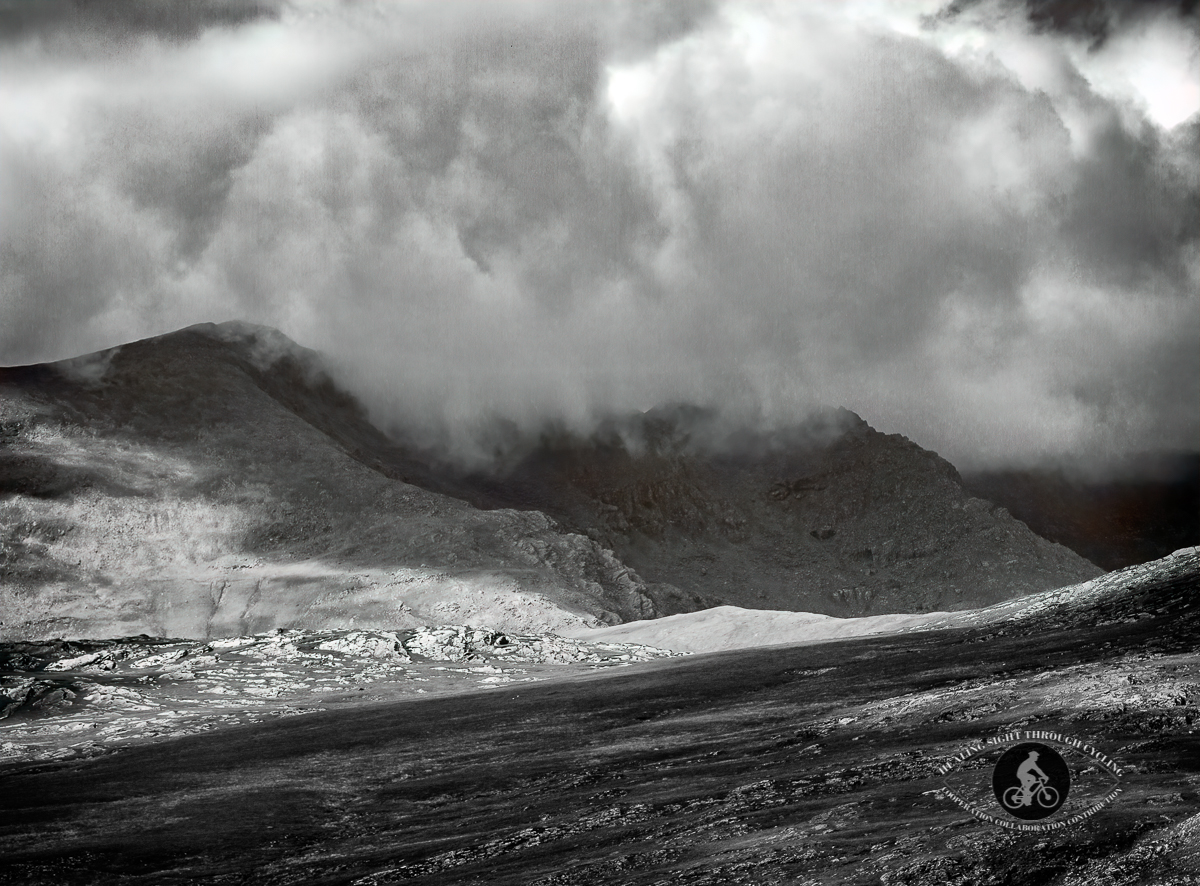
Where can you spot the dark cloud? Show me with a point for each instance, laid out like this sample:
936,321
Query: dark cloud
1091,20
970,229
116,19
1132,218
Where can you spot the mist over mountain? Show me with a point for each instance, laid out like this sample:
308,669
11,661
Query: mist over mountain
187,486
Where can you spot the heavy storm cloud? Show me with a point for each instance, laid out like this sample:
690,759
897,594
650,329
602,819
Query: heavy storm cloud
971,225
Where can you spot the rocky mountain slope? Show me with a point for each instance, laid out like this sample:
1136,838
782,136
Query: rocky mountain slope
215,482
830,516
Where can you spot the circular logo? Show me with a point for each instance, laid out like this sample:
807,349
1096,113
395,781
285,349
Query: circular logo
1031,781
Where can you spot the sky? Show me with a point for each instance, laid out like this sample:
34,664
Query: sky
970,223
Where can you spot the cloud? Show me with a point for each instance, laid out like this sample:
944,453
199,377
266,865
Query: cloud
966,225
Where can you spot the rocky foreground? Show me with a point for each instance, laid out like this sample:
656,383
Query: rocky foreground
809,764
80,698
62,699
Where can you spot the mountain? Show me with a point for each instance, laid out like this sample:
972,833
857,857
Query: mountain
830,516
216,482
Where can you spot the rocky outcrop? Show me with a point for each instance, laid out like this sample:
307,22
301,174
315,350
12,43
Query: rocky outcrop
25,695
63,699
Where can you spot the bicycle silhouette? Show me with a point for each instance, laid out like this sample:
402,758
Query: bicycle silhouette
1022,795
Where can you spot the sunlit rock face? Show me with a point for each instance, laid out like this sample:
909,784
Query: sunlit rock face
214,482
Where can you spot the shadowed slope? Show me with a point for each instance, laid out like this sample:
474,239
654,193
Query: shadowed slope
1150,508
829,516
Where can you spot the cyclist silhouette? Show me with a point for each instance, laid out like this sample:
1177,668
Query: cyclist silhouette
1034,783
1025,772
